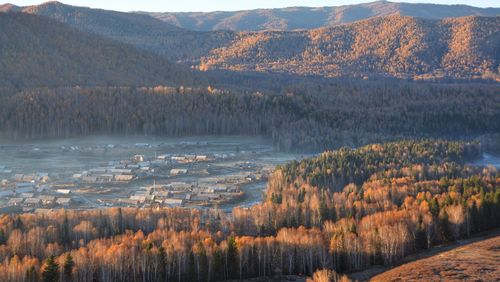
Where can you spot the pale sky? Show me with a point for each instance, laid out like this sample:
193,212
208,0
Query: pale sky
230,5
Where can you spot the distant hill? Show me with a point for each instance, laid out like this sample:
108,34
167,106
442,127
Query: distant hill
99,21
311,18
393,46
36,51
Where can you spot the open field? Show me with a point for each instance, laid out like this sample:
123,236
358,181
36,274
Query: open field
478,261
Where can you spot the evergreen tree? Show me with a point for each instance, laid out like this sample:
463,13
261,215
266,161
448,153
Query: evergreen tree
444,227
162,261
68,267
65,237
51,270
232,259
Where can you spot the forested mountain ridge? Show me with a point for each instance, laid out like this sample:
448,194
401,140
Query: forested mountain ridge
393,46
311,17
36,51
389,46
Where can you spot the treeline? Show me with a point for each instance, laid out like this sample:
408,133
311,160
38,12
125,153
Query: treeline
309,117
415,195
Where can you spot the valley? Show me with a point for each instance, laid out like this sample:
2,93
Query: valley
317,144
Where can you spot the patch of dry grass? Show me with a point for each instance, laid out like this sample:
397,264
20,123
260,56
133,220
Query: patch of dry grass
478,261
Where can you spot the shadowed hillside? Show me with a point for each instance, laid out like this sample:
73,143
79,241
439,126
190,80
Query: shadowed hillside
142,31
35,51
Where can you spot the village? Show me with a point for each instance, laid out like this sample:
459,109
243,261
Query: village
159,179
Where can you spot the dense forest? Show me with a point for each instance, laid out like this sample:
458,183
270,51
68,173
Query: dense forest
297,117
342,211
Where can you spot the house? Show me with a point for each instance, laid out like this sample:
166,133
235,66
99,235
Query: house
105,178
27,195
64,201
16,201
124,178
201,157
200,198
178,158
218,188
163,194
18,177
47,200
179,186
32,202
173,202
180,196
28,178
138,198
98,170
119,171
63,191
28,189
138,158
41,210
177,171
163,157
89,179
25,184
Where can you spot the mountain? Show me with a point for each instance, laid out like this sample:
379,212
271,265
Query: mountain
385,46
142,31
36,51
394,46
310,18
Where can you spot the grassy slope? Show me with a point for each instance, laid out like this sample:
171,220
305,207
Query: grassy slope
477,261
